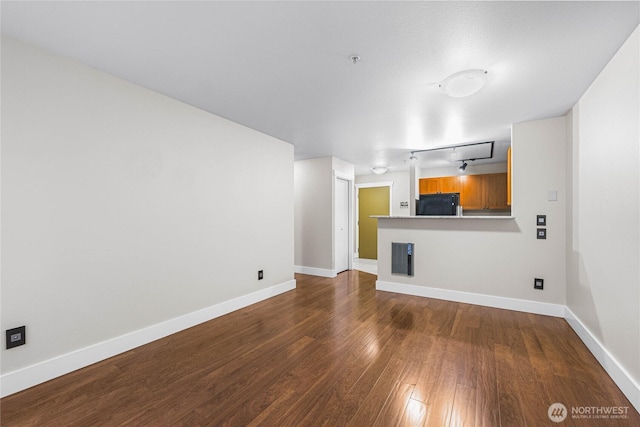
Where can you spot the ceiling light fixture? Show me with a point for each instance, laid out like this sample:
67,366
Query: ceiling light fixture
463,166
355,58
378,170
413,159
464,83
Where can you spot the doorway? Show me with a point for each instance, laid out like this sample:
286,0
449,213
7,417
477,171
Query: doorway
371,201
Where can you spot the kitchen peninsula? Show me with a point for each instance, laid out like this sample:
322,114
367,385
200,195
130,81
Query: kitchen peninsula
485,257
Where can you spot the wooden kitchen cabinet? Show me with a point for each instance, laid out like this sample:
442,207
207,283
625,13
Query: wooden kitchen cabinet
429,185
444,184
488,191
496,191
472,196
477,192
450,184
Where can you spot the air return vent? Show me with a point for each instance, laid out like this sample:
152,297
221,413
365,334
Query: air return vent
402,258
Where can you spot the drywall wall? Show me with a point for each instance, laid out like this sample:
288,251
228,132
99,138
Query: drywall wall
314,189
123,209
399,189
603,251
343,169
496,257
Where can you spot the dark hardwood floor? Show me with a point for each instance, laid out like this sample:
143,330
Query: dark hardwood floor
336,352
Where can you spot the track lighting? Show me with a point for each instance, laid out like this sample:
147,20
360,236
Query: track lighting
463,166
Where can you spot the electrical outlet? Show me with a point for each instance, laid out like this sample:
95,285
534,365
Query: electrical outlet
16,337
260,275
538,284
542,233
541,220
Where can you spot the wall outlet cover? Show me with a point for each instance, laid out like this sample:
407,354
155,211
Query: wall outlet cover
16,337
260,274
538,283
542,233
541,220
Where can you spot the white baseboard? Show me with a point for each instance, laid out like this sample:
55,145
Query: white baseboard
618,374
21,379
535,307
313,271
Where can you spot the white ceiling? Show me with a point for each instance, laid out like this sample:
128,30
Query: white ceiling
284,68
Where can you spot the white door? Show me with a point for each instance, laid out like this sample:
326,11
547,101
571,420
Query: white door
341,249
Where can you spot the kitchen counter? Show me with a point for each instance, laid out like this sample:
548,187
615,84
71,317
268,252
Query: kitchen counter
427,217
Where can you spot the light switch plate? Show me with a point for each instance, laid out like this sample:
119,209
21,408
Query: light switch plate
542,233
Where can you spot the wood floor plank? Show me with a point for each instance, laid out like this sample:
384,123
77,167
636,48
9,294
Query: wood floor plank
394,407
429,371
529,378
385,389
336,352
509,406
463,411
487,408
414,415
440,399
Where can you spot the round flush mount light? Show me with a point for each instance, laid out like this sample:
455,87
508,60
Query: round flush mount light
378,170
464,83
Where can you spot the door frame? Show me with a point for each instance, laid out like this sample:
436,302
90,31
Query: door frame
356,253
349,178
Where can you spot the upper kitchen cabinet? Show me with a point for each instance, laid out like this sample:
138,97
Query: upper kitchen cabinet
477,192
488,191
445,184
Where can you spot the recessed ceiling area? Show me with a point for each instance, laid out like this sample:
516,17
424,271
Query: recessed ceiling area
286,68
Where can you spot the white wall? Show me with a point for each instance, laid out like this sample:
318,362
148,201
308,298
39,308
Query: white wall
122,208
313,183
496,257
399,190
343,169
603,252
314,189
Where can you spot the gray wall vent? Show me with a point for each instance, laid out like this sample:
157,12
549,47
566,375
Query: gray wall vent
402,258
